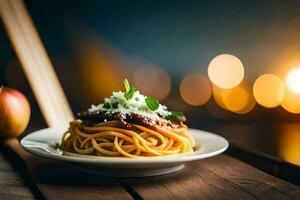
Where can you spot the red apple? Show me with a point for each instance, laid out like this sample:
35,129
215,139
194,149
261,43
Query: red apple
14,112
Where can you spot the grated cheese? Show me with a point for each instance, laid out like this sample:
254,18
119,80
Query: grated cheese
136,105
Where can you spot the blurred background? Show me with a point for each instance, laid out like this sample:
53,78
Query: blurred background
233,67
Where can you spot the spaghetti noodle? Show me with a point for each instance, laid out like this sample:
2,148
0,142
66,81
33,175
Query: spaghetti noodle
128,124
110,139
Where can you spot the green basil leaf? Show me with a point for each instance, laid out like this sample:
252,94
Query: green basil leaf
152,103
106,105
176,116
115,105
129,94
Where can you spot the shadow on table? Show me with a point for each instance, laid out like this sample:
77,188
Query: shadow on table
54,172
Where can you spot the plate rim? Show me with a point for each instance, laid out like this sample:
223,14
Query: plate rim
124,161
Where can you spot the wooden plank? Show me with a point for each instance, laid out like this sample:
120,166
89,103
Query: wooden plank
56,180
12,186
220,177
265,162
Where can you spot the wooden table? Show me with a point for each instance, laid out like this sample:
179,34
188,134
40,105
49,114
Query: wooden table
220,177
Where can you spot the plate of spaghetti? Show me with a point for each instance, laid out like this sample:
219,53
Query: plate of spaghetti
128,135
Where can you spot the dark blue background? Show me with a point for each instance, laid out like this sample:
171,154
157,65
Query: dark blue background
180,36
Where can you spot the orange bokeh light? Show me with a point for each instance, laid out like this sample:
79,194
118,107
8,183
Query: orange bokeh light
100,74
292,80
195,89
289,143
268,90
226,71
291,100
238,99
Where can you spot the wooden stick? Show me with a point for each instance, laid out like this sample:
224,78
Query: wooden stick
35,63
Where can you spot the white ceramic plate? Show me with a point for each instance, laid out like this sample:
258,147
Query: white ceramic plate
43,142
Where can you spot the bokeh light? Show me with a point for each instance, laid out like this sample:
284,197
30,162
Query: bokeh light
291,101
101,70
218,95
289,143
238,99
293,80
226,71
195,89
152,80
268,90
